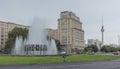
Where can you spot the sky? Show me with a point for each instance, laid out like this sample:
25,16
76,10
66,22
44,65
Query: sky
89,11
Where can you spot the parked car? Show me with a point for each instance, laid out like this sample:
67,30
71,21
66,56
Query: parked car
116,53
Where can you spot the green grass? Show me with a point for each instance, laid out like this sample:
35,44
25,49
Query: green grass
13,60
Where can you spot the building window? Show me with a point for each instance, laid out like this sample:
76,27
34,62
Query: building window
2,35
1,42
1,39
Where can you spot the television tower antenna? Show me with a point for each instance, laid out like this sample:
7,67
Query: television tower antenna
102,30
119,40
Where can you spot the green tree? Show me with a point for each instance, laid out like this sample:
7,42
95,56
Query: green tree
58,45
118,48
91,48
16,32
87,49
105,48
113,49
94,47
108,48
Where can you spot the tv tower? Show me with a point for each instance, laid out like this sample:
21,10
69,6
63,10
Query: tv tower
102,30
119,40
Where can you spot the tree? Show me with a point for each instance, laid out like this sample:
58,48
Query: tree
87,49
94,47
9,45
16,32
108,48
58,45
91,48
105,48
113,49
118,48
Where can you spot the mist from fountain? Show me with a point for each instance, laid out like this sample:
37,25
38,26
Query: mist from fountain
37,42
19,48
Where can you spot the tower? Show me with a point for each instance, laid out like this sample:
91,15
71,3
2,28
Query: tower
118,40
102,30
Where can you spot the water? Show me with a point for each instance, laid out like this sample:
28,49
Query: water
37,42
19,46
53,48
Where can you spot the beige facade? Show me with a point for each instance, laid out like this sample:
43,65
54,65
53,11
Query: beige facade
5,27
70,33
53,34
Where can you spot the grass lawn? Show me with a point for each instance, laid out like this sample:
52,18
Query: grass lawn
11,60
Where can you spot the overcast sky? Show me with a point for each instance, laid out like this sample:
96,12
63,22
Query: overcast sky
89,11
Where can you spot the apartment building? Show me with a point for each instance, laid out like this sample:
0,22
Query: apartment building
5,27
70,32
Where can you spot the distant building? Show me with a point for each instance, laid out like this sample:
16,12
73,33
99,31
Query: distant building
70,32
5,27
94,42
53,34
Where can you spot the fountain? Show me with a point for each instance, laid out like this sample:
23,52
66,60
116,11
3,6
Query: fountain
19,48
37,42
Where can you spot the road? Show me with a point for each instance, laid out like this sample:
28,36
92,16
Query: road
113,64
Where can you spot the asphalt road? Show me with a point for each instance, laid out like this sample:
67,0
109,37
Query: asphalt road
113,64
